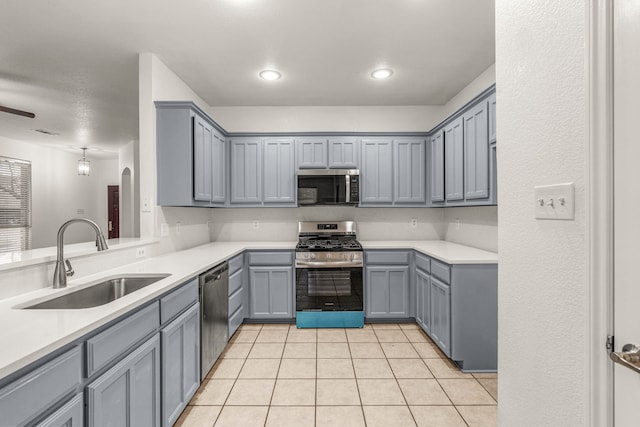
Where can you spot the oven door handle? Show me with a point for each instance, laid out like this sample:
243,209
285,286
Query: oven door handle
327,264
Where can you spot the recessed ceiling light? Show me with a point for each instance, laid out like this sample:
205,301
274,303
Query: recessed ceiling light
382,73
270,75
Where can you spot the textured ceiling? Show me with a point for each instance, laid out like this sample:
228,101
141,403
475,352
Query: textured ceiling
74,62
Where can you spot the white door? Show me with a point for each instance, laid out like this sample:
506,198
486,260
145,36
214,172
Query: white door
627,204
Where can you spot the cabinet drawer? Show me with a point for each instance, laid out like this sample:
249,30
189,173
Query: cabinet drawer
441,271
235,320
178,301
235,263
38,390
235,282
423,262
111,343
271,258
235,301
387,257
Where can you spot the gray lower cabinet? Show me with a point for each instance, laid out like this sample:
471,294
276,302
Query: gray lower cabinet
423,300
387,291
440,315
376,177
180,342
41,390
344,153
454,160
312,153
409,171
70,415
271,292
238,300
246,171
279,171
128,394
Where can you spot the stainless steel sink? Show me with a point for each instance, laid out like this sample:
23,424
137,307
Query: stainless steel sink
100,293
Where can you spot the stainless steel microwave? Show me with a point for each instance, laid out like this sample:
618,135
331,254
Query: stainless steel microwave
328,187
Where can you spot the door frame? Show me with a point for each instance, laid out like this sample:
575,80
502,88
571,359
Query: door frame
599,202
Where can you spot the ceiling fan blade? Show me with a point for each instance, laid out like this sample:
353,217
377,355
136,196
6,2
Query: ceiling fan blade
18,112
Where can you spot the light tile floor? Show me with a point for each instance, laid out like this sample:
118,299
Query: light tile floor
382,375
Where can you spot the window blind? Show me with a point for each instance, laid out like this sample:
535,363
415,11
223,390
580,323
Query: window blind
15,204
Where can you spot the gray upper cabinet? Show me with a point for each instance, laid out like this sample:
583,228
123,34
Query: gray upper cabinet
312,153
376,177
190,155
492,118
246,170
202,159
344,153
219,171
454,160
409,170
476,153
436,163
279,170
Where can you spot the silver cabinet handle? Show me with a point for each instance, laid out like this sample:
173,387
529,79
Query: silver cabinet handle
628,357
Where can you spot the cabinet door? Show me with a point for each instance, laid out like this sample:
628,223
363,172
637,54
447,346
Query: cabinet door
129,393
180,363
441,315
376,179
279,171
202,156
423,300
218,172
476,153
271,292
70,415
409,171
343,153
454,160
246,171
387,291
492,119
312,153
436,161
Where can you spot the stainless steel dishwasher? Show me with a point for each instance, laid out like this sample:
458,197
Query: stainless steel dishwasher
214,315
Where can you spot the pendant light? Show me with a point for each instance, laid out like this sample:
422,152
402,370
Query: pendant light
84,165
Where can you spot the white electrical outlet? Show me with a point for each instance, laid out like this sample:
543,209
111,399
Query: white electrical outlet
164,229
414,223
146,204
256,224
178,228
141,252
457,223
554,201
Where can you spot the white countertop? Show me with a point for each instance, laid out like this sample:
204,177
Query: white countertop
27,335
450,253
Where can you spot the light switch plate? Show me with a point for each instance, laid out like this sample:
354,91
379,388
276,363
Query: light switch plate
555,201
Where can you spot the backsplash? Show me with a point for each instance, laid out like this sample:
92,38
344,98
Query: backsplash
281,224
476,226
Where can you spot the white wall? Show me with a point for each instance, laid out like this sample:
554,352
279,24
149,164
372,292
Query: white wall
129,209
281,224
59,193
473,89
158,83
476,227
541,62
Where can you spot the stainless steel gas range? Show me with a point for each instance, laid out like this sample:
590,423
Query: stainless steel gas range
329,282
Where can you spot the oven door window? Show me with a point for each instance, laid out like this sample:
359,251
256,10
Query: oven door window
329,289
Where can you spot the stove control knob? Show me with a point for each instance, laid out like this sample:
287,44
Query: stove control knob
312,256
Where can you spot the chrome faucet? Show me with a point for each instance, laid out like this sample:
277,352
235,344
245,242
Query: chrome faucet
61,272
